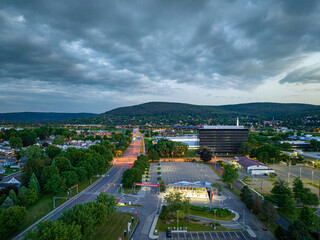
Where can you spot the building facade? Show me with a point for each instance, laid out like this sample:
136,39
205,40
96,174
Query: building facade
222,139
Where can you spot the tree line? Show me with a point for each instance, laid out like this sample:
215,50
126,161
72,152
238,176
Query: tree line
135,173
166,148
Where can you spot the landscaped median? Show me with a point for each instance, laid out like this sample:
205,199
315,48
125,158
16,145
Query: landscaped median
222,214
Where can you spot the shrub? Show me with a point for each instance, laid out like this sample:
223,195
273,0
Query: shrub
159,168
159,178
222,212
199,208
159,173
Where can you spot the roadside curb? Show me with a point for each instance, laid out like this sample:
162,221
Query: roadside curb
153,226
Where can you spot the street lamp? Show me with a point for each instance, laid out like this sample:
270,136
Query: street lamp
177,221
215,218
312,177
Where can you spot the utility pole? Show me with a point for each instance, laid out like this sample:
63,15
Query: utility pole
177,221
215,218
312,178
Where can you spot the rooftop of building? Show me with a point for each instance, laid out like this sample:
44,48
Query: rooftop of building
247,162
222,127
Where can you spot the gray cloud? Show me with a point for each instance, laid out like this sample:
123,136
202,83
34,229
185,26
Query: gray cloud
112,51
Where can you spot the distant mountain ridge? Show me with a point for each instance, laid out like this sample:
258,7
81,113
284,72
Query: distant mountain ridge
41,116
261,109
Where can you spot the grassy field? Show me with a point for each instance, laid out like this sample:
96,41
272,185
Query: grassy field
295,216
191,153
162,227
234,190
113,228
208,214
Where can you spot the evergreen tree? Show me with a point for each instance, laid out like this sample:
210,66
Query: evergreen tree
23,196
246,197
32,196
298,189
7,203
307,216
13,196
34,183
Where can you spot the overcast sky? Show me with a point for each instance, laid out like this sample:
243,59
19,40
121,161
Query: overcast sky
92,56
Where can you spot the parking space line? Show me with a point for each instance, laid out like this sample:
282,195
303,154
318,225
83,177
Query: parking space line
198,235
223,235
217,235
204,235
243,235
236,234
210,235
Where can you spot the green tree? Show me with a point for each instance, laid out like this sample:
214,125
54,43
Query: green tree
34,183
10,219
230,174
176,201
109,201
70,177
23,196
310,198
55,184
205,155
307,216
153,155
55,230
62,163
7,203
269,214
28,137
315,145
16,142
298,189
246,148
58,140
299,231
13,196
281,234
52,151
32,196
246,197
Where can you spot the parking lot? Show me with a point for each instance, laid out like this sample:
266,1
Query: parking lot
263,184
172,172
230,235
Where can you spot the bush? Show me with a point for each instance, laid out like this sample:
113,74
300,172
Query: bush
159,168
222,212
199,208
159,178
159,173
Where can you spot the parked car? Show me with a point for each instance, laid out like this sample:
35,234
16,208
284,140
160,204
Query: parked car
168,234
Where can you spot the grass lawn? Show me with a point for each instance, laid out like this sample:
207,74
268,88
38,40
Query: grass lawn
208,214
10,171
191,153
295,215
162,227
113,228
314,185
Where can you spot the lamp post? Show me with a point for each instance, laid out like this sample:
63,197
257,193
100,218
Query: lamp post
215,218
312,178
300,172
177,221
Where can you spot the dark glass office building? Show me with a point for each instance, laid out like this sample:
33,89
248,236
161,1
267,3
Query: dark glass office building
223,139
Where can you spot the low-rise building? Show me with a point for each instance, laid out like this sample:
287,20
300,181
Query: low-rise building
252,166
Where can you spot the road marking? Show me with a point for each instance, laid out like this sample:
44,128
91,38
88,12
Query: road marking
217,235
243,235
224,235
210,235
204,235
230,234
236,234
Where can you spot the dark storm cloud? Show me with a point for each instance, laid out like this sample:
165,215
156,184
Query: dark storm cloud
113,48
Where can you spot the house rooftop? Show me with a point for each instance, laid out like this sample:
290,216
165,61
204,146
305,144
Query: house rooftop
247,162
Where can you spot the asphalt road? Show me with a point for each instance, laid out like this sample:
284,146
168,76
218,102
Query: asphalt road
110,182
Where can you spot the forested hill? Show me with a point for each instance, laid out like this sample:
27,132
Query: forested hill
41,116
165,109
263,110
